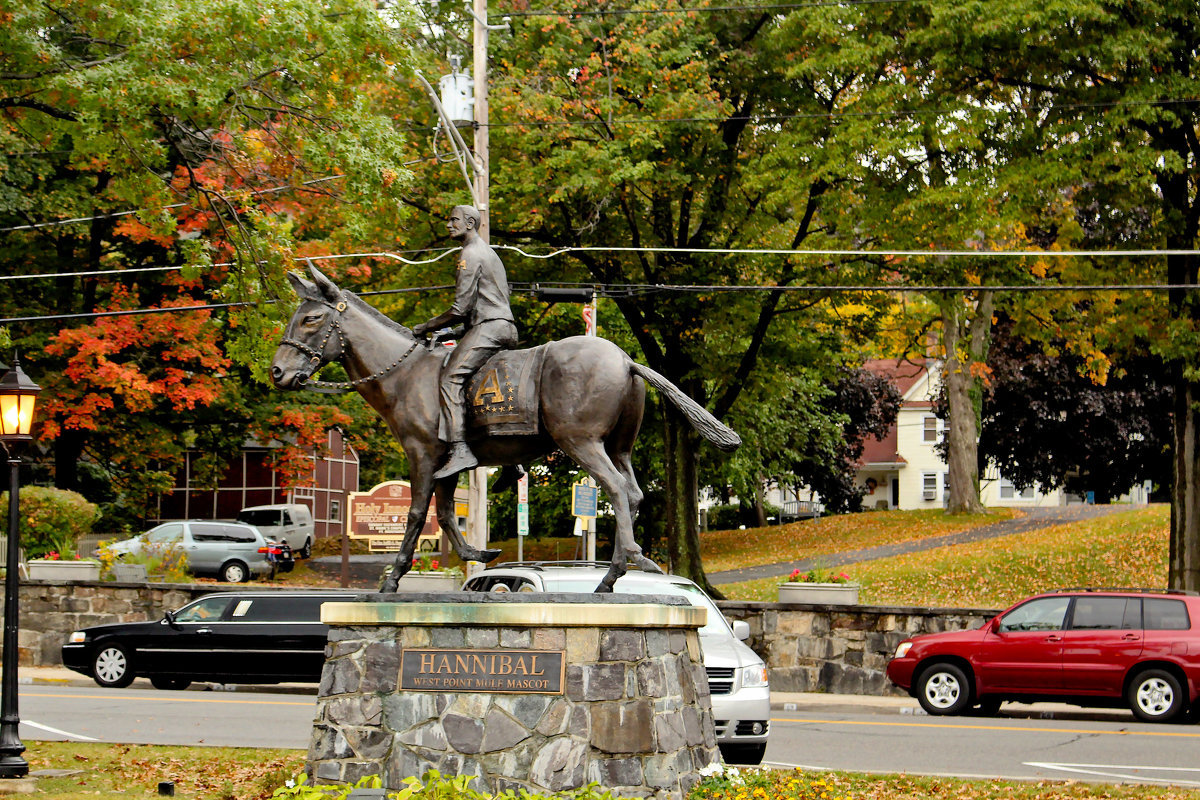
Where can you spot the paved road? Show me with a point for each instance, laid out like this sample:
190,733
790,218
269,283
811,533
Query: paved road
868,734
1032,520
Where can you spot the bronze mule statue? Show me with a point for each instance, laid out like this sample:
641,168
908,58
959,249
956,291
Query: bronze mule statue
591,401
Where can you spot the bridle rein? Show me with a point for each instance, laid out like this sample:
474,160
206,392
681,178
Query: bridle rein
317,358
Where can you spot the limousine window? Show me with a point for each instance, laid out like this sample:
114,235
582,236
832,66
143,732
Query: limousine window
279,609
205,610
1166,615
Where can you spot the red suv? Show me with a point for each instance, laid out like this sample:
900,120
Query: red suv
1090,647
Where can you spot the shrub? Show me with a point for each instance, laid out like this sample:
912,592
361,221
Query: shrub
719,782
52,520
166,561
435,787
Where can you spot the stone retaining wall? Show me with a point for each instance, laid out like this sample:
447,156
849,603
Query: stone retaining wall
808,648
839,649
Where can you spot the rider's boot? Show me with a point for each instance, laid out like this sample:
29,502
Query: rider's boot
460,458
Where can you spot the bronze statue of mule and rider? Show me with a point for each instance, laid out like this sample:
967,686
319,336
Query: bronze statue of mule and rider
588,401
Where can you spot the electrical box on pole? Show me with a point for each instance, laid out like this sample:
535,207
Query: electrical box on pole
458,98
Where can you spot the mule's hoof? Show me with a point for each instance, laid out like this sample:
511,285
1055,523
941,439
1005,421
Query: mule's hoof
388,586
488,555
603,588
645,564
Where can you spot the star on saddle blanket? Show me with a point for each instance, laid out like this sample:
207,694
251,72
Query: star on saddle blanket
502,397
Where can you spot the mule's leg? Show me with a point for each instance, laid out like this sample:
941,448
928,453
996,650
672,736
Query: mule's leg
422,486
448,520
624,465
591,455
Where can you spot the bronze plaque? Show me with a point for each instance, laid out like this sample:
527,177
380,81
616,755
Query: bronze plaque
504,671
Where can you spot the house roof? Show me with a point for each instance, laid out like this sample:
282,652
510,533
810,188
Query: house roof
904,375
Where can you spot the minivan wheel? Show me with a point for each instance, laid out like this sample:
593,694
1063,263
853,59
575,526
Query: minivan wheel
1155,696
743,753
235,572
169,684
111,667
944,689
306,550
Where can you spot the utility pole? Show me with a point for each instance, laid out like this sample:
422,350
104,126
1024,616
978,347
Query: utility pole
477,522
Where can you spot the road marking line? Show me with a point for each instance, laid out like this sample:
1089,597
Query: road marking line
170,699
1005,728
68,734
1107,771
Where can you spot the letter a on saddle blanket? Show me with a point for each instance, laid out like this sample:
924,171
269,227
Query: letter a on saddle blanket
502,397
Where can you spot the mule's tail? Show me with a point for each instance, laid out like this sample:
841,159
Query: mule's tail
708,426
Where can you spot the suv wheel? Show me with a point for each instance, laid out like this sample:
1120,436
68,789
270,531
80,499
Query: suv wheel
306,550
944,689
234,572
111,667
1155,695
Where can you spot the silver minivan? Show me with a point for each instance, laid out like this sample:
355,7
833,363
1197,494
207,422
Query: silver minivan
737,677
290,523
230,550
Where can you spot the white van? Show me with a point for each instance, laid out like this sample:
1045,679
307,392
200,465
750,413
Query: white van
291,523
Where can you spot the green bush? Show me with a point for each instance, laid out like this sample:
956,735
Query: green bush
52,520
721,782
166,562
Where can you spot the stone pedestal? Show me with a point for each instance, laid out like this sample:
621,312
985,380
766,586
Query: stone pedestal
538,691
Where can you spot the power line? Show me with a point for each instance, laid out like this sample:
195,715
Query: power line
770,118
698,9
443,252
619,290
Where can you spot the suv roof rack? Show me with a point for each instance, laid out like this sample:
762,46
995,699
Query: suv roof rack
1141,590
543,564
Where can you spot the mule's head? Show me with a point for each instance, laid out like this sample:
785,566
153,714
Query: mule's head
313,337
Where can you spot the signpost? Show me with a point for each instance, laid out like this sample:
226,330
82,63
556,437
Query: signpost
585,498
522,515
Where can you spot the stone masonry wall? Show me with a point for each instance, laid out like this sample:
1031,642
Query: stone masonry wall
808,648
839,649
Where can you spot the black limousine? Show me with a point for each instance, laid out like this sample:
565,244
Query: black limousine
232,637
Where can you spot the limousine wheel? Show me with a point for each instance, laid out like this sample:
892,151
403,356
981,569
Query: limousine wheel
234,572
1155,696
169,684
111,667
943,689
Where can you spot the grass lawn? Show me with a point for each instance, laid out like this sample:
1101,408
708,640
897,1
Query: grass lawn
1127,548
122,772
722,550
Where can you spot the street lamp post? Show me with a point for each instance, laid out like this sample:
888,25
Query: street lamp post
18,396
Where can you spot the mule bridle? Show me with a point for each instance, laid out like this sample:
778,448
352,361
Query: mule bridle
317,357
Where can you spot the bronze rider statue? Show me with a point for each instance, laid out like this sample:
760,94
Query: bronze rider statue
481,304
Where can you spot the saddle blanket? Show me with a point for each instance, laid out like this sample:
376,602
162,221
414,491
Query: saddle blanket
502,397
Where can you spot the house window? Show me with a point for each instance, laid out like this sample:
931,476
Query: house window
946,486
335,510
1009,492
931,429
929,482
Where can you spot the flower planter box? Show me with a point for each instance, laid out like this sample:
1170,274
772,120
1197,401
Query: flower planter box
44,570
436,581
830,594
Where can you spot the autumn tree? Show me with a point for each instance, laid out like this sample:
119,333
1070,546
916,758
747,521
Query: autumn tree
158,156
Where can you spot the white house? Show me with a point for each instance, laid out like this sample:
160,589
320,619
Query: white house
903,470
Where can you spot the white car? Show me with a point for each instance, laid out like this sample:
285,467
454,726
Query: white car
737,677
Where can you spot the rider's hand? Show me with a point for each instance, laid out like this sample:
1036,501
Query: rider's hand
420,330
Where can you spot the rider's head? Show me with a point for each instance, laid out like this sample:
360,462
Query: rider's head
469,218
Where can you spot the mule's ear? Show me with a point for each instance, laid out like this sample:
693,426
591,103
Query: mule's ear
305,290
328,288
